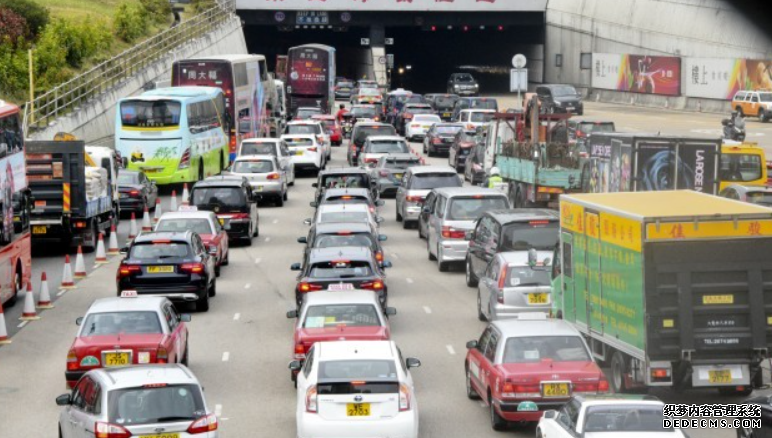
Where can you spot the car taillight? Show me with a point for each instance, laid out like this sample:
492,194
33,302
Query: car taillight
383,173
309,287
469,126
240,217
107,430
134,194
590,387
203,425
372,285
407,116
127,270
192,268
404,398
414,199
503,280
415,125
300,351
371,160
311,405
452,233
580,134
272,176
436,141
520,391
603,385
312,149
185,159
379,256
161,355
72,361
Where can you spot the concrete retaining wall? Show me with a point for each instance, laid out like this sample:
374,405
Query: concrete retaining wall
95,122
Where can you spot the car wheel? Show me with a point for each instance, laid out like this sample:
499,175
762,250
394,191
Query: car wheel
762,115
286,195
217,270
480,314
213,288
202,305
470,392
185,359
497,422
442,266
280,200
471,279
226,260
431,256
399,216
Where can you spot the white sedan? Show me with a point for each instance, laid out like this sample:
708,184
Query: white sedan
350,389
625,416
416,129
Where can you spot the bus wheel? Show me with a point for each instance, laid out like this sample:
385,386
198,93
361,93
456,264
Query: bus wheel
16,286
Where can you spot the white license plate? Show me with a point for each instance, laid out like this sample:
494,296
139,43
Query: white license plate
340,287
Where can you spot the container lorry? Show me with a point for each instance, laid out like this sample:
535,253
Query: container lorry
671,289
75,192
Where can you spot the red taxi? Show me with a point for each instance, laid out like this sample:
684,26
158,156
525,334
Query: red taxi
354,315
127,330
204,223
523,367
332,125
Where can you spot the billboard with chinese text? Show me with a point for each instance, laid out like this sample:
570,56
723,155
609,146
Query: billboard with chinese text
637,73
721,78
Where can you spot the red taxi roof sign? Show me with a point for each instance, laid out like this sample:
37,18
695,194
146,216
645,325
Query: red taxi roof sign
129,294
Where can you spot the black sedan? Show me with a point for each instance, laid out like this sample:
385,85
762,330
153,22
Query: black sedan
344,234
137,191
439,138
231,198
174,265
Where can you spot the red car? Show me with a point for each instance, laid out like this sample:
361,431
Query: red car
129,330
332,126
353,315
523,367
207,226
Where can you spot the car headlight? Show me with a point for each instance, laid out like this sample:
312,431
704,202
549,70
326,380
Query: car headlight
558,103
477,85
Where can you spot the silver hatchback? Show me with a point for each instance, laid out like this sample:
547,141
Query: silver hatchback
416,184
515,282
268,179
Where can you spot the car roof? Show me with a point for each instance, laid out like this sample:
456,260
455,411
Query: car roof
522,214
361,124
515,328
477,110
256,157
311,136
346,191
356,349
384,138
363,105
337,252
334,227
432,169
417,105
358,296
163,235
401,156
343,207
142,375
468,191
200,214
220,181
314,108
117,304
303,122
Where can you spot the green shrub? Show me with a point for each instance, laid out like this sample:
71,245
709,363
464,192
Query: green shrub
158,11
36,15
130,21
13,70
199,6
78,41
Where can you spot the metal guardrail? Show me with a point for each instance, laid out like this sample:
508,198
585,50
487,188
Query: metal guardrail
78,90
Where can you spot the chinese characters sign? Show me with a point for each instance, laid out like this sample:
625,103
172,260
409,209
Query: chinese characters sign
637,73
708,230
721,78
395,5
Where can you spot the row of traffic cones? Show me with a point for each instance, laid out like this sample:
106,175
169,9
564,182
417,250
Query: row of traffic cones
29,312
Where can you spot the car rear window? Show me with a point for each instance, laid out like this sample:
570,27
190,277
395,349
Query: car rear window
302,129
427,118
481,117
112,323
155,404
344,181
427,181
356,370
343,239
530,349
369,92
299,142
197,225
345,84
258,149
156,251
524,276
388,147
465,209
625,418
341,269
344,216
253,166
307,113
444,102
363,113
366,131
128,178
229,197
335,315
536,234
448,130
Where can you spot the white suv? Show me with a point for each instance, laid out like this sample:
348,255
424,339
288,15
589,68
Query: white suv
356,388
311,127
305,151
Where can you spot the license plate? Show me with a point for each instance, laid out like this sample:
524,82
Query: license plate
446,114
426,126
162,435
152,170
117,359
720,376
398,175
358,409
340,286
221,221
299,152
39,229
718,299
160,269
123,195
540,298
555,390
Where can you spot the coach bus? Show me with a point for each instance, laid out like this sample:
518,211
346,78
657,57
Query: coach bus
15,236
174,135
311,77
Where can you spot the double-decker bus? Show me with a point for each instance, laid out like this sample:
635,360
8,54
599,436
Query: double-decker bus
174,135
245,81
311,77
15,237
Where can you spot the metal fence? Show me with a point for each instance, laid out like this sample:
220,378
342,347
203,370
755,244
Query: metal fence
77,91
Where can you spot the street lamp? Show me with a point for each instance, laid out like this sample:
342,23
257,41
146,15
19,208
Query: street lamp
401,70
409,67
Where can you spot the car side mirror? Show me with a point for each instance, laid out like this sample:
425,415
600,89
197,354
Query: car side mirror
292,314
295,365
412,362
426,209
550,414
469,235
390,311
302,239
185,317
313,204
380,203
382,237
387,264
471,344
295,267
378,219
64,400
124,250
315,185
79,320
307,221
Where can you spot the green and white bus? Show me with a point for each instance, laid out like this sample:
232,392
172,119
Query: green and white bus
174,135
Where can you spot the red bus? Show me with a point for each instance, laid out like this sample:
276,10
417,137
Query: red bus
311,77
15,236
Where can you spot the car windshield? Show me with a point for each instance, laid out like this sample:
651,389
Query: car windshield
765,97
307,113
150,113
401,164
481,117
464,78
345,84
232,197
444,102
341,269
427,118
362,112
537,234
343,239
335,315
485,104
525,349
427,181
388,147
155,404
252,166
588,128
760,198
128,178
448,130
197,225
112,323
369,92
564,90
624,418
466,209
419,110
356,370
302,129
344,181
344,216
299,141
740,167
258,149
524,276
155,251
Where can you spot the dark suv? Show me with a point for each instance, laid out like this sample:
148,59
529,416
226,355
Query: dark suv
559,98
232,200
517,229
344,234
344,178
463,84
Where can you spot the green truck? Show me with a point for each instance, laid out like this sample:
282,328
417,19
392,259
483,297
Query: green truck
671,289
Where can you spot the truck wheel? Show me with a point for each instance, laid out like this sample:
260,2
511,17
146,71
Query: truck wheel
90,246
618,370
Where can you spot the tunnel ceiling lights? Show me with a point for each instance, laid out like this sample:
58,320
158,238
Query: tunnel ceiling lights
465,28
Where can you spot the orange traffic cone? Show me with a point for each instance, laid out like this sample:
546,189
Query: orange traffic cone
3,331
67,282
133,226
29,313
146,221
158,211
112,248
185,194
101,257
44,300
173,206
80,264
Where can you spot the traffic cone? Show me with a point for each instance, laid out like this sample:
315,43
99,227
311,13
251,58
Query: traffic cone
101,257
146,221
185,195
44,300
133,226
67,282
80,265
29,313
3,331
157,213
113,247
173,206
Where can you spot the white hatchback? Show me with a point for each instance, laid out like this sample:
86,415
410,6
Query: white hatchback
416,129
350,389
305,151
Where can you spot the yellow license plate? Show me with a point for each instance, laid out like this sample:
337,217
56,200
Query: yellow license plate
555,390
299,152
720,376
540,298
259,188
358,409
39,229
161,435
160,269
116,359
718,299
221,221
398,175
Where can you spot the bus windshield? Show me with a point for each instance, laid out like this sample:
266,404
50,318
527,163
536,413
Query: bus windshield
150,113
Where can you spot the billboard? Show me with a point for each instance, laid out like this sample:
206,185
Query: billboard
352,6
721,78
308,73
637,73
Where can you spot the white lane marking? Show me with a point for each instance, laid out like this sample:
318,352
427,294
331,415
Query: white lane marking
22,324
217,410
257,261
61,292
409,280
236,317
247,286
276,221
267,239
427,309
482,405
227,355
630,128
225,419
450,349
395,255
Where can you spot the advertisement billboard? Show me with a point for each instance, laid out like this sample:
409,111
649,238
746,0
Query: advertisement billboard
697,167
637,73
721,78
308,75
654,167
